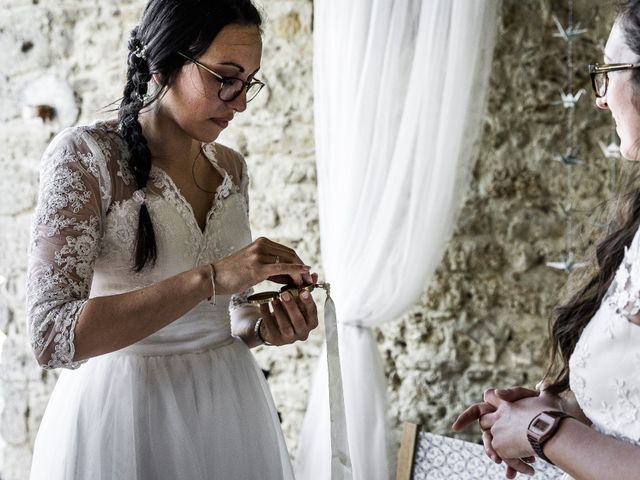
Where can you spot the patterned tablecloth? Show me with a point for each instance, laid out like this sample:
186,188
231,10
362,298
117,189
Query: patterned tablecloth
446,458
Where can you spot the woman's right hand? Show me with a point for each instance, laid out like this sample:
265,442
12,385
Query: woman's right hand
261,260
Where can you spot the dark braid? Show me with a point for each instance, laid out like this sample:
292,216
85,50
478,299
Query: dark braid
138,76
166,28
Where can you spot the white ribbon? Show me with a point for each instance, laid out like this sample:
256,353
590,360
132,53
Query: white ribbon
340,458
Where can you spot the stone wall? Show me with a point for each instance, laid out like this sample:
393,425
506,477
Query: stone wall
482,318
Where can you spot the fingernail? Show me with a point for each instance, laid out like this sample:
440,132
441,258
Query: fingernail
305,295
286,296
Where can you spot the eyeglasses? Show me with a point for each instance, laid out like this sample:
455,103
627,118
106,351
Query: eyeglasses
600,78
230,87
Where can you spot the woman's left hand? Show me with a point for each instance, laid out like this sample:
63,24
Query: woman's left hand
292,318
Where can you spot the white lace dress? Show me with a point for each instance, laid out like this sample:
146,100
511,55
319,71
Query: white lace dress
187,402
605,365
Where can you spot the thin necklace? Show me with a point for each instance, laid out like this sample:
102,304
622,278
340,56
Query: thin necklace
193,172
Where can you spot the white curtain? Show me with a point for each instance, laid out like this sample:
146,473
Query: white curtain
399,98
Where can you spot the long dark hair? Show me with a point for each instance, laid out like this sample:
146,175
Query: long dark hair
571,317
167,27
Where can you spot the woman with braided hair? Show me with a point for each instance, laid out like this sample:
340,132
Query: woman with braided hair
140,264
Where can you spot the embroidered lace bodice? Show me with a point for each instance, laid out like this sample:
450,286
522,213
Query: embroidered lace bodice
605,364
84,229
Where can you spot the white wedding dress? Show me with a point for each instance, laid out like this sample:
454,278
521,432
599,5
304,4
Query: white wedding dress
605,365
186,403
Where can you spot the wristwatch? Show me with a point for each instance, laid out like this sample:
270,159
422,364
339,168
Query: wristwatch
542,428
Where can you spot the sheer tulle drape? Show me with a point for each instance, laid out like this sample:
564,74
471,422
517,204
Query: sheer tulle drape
399,88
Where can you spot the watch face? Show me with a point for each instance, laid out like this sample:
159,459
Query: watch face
540,424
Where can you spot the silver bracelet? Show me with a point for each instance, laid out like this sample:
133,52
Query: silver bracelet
256,330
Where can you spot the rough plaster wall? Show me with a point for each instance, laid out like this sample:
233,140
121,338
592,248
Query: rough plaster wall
482,319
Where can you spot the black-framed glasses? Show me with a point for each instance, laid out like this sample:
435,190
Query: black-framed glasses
230,87
600,75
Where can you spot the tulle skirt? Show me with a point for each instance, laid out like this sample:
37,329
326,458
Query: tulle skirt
192,416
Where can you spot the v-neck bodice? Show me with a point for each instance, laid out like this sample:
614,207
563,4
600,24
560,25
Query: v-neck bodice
182,244
168,188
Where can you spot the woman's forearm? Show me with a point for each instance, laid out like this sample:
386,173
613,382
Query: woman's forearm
109,323
587,454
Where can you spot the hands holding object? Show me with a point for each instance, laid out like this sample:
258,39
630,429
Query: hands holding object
293,314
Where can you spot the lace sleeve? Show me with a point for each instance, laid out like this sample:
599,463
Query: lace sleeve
64,244
623,295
